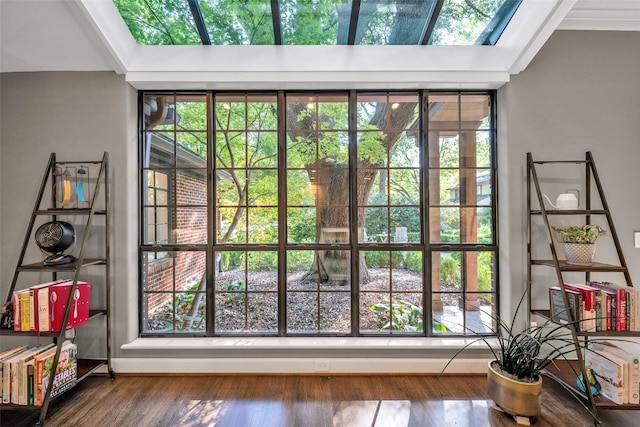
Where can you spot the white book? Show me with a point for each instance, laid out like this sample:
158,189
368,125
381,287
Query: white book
610,375
633,372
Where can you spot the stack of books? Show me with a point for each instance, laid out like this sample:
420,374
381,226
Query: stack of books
27,372
41,308
617,371
597,306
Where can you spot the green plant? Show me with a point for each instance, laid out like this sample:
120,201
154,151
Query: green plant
588,233
404,316
524,354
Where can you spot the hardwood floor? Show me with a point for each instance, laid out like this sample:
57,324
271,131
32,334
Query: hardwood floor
305,401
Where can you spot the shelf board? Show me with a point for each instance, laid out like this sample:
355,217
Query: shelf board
570,212
69,212
72,266
596,266
630,334
93,313
563,372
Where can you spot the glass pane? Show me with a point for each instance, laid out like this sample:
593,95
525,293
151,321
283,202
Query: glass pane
479,314
374,313
335,312
159,149
406,152
446,183
159,112
263,147
376,224
444,149
483,149
333,148
444,110
263,188
263,225
392,22
262,271
301,225
190,226
229,186
461,24
404,186
231,225
302,312
174,298
378,272
231,312
312,23
300,190
229,23
263,312
474,112
191,187
373,187
192,149
333,113
230,112
406,273
231,150
299,264
159,23
447,314
262,111
406,313
191,112
405,225
301,112
301,149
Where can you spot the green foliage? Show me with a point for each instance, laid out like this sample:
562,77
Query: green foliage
450,271
579,234
404,316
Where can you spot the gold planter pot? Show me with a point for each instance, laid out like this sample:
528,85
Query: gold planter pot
514,397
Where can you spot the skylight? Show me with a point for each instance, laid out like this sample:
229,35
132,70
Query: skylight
317,22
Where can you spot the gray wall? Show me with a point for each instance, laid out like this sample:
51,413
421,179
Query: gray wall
581,92
78,116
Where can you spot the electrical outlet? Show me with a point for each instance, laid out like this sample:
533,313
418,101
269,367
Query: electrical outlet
636,239
322,366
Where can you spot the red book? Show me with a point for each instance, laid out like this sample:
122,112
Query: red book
59,297
621,302
589,296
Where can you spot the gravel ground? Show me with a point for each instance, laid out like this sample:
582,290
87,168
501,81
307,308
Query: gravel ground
303,297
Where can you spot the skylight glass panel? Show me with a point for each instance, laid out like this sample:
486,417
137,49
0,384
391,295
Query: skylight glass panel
313,22
393,22
463,22
230,22
159,22
316,22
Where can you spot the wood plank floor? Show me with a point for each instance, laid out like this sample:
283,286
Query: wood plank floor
291,401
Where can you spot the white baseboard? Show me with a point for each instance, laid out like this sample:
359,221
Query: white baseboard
299,365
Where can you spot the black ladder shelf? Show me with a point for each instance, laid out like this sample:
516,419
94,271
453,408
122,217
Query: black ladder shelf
565,371
96,205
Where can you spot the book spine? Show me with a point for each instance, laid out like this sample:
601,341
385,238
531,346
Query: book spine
25,312
30,383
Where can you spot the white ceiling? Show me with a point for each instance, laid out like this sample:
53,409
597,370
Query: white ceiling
89,35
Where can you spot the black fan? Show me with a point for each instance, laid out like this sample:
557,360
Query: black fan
56,238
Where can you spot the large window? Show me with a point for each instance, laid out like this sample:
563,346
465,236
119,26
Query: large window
318,213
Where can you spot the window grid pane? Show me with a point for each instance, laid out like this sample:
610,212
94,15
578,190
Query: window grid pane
283,198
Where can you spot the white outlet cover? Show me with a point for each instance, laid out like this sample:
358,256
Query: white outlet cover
636,239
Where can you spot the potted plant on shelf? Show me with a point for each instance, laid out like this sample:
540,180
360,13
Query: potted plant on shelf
579,242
